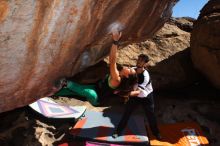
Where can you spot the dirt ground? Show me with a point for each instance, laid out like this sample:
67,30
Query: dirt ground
23,127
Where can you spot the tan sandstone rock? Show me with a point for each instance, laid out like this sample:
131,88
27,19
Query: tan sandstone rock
42,41
205,42
171,65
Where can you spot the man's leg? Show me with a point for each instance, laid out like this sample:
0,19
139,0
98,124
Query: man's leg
148,105
129,108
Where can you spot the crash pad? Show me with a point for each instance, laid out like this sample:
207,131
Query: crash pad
51,109
99,127
90,143
180,134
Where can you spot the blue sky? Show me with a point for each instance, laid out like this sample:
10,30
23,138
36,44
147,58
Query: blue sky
189,8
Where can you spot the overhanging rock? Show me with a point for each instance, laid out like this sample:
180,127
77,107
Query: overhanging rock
42,41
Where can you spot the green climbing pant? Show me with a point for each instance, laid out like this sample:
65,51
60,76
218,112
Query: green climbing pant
73,88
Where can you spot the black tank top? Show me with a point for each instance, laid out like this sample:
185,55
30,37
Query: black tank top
104,89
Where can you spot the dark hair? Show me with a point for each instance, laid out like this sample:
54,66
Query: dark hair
144,57
126,85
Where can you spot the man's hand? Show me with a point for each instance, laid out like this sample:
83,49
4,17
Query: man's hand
135,93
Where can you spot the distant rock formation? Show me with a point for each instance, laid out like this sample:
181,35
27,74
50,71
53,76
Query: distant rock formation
43,41
184,23
169,53
205,42
166,42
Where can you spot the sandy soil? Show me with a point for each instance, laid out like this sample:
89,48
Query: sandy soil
23,127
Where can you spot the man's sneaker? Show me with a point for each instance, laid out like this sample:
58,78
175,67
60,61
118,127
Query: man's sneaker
115,135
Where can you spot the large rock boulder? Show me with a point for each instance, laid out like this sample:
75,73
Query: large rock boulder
42,41
166,42
176,72
171,65
205,42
